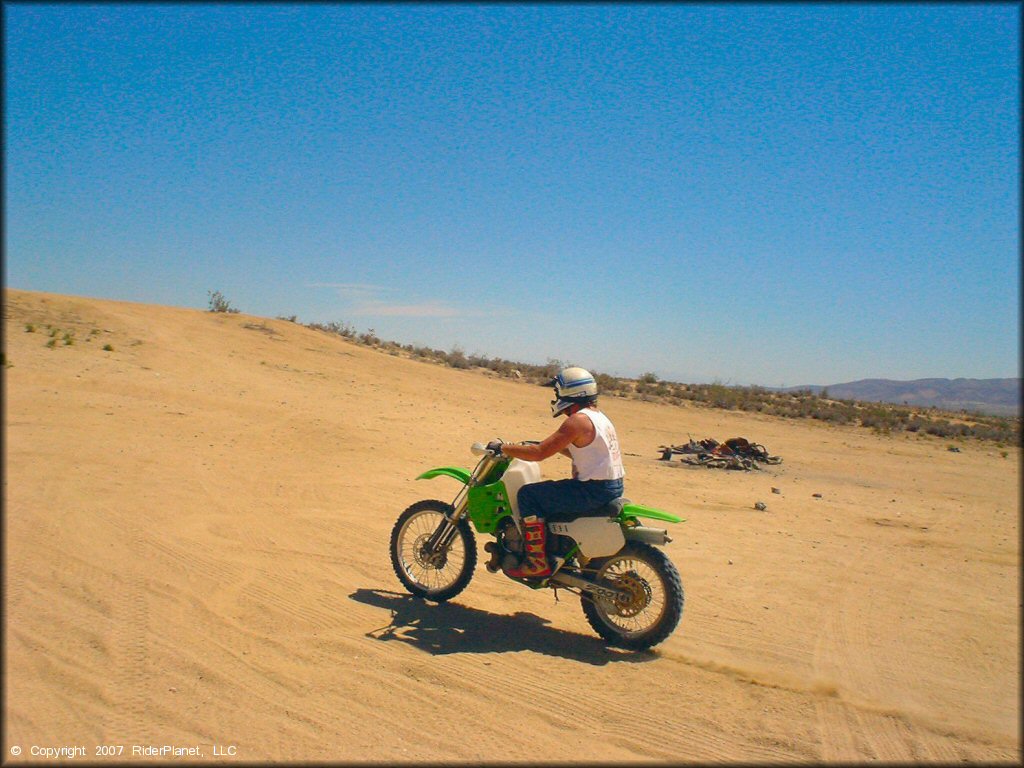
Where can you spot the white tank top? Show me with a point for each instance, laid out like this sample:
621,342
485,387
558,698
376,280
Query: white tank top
601,460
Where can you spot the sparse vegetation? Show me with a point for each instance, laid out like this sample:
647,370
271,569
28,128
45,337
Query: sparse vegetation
29,328
108,348
341,329
882,418
457,358
218,303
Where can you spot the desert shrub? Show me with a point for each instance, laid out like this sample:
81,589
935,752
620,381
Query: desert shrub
343,329
877,417
218,302
369,338
941,428
335,327
108,348
457,358
547,371
607,384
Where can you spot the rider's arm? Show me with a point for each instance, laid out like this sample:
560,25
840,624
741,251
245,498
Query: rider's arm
557,442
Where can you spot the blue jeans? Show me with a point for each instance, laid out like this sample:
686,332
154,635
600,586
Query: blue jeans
566,499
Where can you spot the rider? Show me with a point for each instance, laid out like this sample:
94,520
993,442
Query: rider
588,438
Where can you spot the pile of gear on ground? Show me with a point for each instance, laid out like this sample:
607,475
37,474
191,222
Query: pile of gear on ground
734,453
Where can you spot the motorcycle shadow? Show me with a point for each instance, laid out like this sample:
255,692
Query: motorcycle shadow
442,628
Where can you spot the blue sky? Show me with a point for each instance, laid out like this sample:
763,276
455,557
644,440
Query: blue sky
750,194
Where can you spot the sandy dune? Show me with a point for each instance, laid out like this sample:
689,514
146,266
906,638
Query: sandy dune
196,556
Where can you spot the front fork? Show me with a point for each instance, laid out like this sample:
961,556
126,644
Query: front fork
437,545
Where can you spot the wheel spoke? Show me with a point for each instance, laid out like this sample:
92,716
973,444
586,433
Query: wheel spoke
412,538
649,600
646,596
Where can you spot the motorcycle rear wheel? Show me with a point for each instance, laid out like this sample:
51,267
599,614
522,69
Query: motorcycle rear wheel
437,578
656,597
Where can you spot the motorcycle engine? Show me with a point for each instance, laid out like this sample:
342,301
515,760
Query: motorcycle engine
509,549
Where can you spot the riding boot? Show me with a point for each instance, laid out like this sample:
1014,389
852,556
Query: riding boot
535,564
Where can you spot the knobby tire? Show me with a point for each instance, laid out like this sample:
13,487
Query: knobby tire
672,612
463,536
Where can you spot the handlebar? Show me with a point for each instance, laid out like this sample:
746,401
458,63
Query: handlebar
479,449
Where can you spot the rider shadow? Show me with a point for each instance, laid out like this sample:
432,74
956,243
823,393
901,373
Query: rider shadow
442,628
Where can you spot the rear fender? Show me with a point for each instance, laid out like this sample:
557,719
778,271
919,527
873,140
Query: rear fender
462,475
639,510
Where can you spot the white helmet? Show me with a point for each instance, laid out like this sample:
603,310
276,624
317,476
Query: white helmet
573,386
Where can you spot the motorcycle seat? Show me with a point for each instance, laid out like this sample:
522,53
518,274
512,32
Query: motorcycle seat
611,509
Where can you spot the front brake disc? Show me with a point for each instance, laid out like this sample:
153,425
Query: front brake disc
639,592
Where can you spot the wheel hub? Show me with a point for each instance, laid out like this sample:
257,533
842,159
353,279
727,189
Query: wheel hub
637,594
424,557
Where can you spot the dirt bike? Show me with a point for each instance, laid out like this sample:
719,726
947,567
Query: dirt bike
630,591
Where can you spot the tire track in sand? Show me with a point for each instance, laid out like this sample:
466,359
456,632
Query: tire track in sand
127,717
853,724
838,743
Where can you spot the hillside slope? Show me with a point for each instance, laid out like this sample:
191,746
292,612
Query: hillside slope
196,554
1000,397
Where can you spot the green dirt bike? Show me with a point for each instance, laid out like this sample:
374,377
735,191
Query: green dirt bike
631,592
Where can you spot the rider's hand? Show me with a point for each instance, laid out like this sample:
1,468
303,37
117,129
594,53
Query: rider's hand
495,447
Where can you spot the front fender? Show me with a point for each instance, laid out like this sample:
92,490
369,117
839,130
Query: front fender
462,475
639,510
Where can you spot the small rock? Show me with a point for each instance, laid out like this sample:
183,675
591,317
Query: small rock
816,495
760,506
776,490
173,689
730,562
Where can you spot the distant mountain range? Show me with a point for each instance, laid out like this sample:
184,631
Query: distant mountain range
999,397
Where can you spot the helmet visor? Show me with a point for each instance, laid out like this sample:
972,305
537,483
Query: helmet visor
559,405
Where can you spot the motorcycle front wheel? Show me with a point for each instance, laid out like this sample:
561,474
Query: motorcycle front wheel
653,604
437,575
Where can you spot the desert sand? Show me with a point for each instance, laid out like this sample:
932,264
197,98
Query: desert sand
197,527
